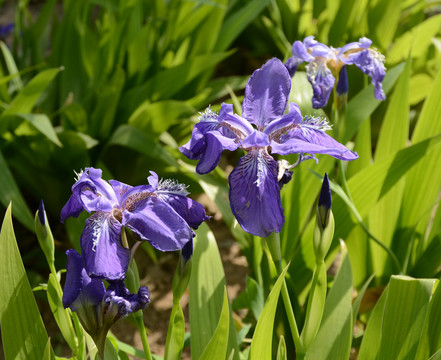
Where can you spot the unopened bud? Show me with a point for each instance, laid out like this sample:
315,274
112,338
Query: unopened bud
324,226
44,235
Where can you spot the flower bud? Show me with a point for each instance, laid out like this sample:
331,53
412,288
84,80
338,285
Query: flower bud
324,227
183,272
44,235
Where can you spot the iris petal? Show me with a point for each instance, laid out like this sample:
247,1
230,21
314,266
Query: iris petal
312,141
79,288
266,93
215,144
157,222
104,254
255,194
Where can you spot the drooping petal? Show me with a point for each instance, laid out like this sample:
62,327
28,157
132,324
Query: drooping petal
342,84
156,221
216,143
90,193
175,195
266,94
104,255
195,147
79,288
322,82
371,62
310,138
73,207
255,194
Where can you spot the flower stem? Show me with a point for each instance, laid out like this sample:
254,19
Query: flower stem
142,331
273,242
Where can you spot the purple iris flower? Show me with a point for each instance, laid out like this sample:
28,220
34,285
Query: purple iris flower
256,181
97,308
325,63
159,212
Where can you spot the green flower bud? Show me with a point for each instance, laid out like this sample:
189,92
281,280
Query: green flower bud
44,236
324,226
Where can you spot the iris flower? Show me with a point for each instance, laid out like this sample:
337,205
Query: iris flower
98,308
325,63
159,212
262,130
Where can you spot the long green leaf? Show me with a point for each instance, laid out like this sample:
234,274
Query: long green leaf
404,314
27,98
431,334
364,103
238,21
43,124
423,182
217,347
132,138
207,284
393,137
23,332
371,184
261,345
9,192
372,335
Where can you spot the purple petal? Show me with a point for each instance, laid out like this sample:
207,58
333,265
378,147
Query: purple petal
256,139
73,207
300,53
238,126
216,143
371,63
92,192
309,138
104,255
155,221
153,180
119,188
285,123
79,288
255,194
266,93
322,82
191,211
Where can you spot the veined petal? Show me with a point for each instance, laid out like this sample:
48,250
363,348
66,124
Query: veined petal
156,221
310,138
285,123
73,207
255,194
215,144
322,82
119,188
237,125
104,255
266,94
371,62
79,288
175,195
256,139
94,193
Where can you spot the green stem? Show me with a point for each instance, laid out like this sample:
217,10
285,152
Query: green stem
273,242
101,343
142,331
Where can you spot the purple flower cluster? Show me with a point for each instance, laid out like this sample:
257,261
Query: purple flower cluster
325,64
160,213
262,130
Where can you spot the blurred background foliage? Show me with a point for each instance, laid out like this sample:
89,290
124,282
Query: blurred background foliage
118,85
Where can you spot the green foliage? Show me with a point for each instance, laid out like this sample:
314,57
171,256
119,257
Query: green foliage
23,332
